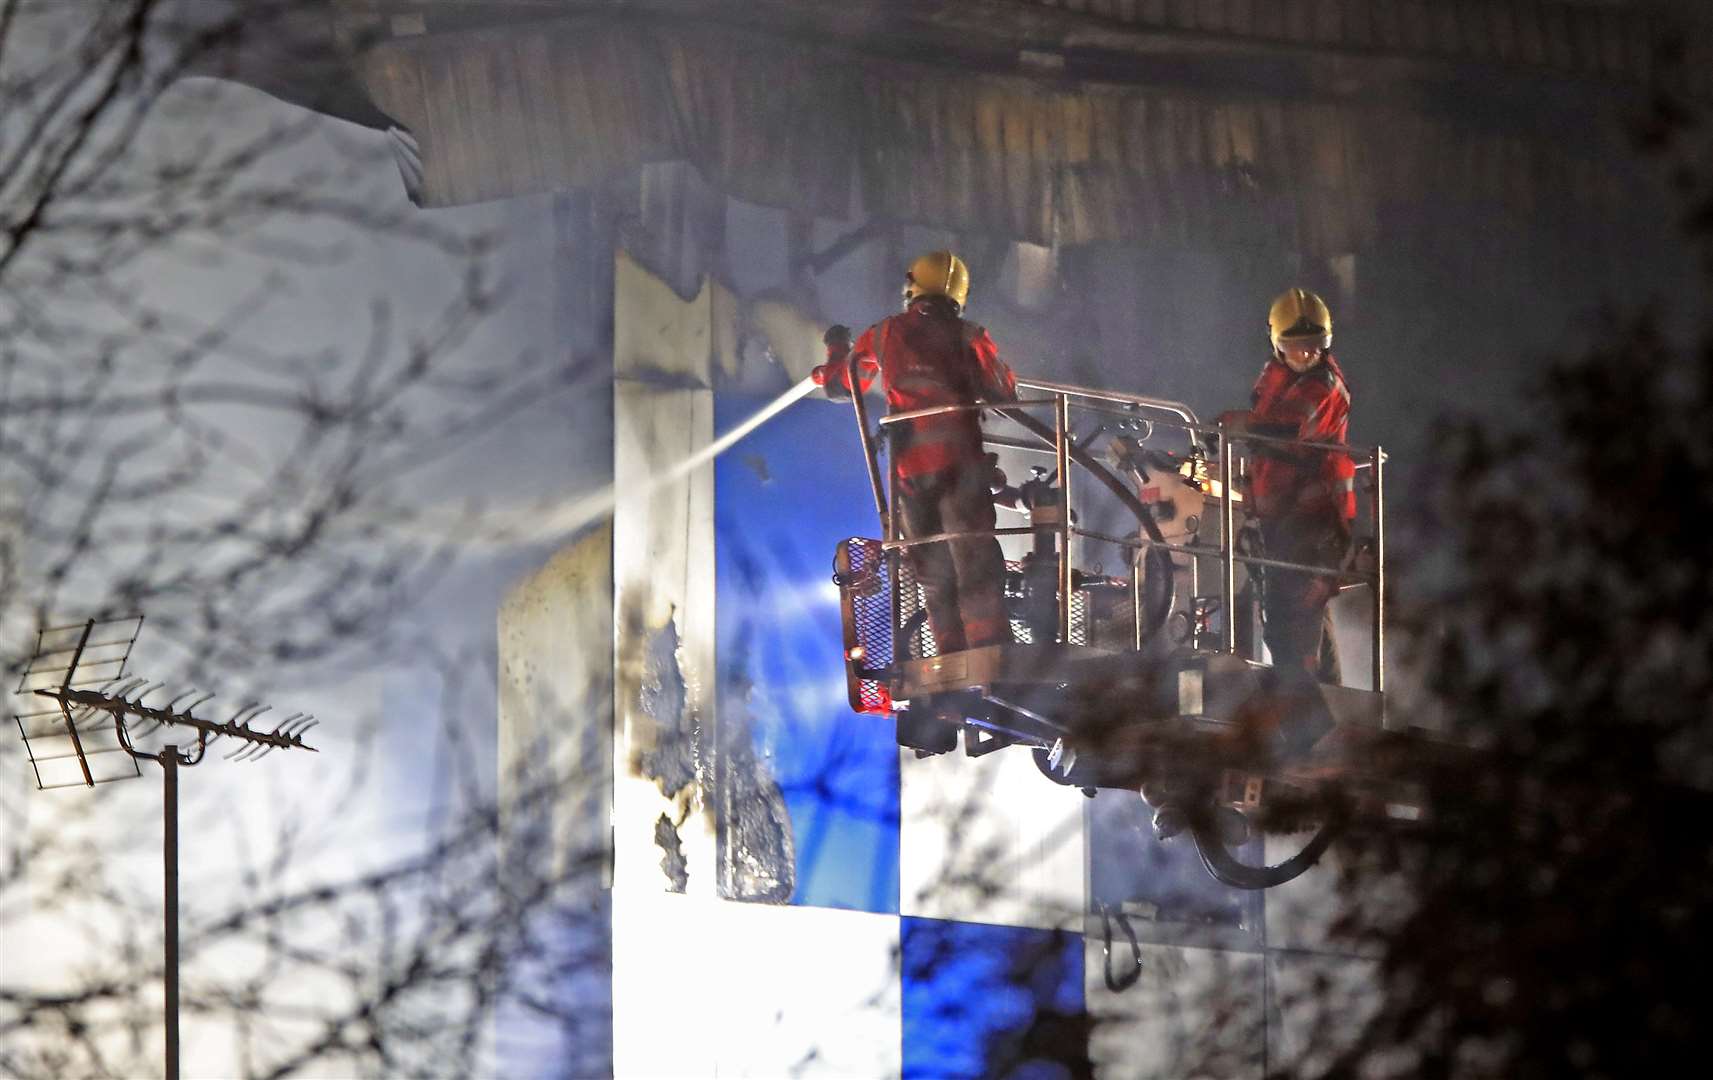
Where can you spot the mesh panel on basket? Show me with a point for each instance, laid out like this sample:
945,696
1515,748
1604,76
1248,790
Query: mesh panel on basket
870,592
1020,632
1023,635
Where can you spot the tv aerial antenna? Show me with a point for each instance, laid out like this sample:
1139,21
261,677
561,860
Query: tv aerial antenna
83,729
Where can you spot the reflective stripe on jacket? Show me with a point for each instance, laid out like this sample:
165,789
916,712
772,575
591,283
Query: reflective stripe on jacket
927,356
1314,407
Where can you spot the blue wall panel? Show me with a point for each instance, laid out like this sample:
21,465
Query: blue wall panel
992,1001
784,497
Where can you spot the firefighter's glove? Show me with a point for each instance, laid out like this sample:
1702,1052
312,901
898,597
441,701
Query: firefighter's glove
831,379
831,376
1236,421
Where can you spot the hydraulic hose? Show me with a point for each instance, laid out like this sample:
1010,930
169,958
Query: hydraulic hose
1225,868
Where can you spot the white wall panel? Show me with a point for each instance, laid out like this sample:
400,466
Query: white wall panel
1193,1014
712,988
1317,1005
1302,914
989,840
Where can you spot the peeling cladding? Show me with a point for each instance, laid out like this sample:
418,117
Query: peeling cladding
662,696
760,853
668,757
757,845
673,864
757,850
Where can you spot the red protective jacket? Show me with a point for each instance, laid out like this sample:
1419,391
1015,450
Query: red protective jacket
928,356
1313,406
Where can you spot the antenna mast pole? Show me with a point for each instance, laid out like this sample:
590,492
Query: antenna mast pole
122,702
169,857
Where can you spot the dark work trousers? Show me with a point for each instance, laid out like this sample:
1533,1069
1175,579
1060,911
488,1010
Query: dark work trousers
964,580
1294,604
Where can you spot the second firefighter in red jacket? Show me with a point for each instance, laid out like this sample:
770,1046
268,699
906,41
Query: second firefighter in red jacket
929,356
1304,498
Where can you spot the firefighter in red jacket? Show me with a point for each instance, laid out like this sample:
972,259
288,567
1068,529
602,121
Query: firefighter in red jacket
1305,499
927,356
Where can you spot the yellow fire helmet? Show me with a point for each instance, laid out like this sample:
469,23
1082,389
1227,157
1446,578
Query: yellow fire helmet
938,273
1299,314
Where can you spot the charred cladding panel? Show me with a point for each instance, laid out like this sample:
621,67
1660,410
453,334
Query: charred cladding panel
1304,127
